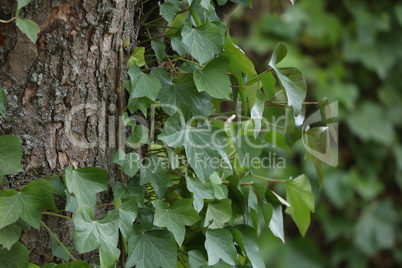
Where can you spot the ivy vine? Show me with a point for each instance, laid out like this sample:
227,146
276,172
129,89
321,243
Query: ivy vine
194,191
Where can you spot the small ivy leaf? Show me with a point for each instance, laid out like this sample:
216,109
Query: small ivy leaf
22,3
27,204
28,27
9,235
197,259
128,210
237,57
218,213
246,237
129,162
175,217
84,183
142,104
159,48
152,171
182,95
200,191
203,42
219,245
143,85
152,249
59,251
10,154
213,79
290,78
17,256
168,9
137,57
140,135
257,112
90,234
301,200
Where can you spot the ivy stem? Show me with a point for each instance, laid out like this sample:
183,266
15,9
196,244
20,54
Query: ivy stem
57,215
8,21
268,179
238,86
155,20
55,176
257,76
195,17
58,240
183,59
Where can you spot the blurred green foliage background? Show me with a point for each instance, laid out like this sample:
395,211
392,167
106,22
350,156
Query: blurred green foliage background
350,51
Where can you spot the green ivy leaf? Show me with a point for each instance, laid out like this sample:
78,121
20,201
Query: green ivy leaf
179,46
203,41
237,57
128,209
197,259
17,256
182,95
218,213
213,79
246,237
142,104
203,145
122,191
129,162
28,27
84,183
137,57
10,154
168,9
9,235
143,85
291,79
200,191
90,234
152,171
152,249
159,48
176,217
219,245
301,200
59,251
248,149
257,112
22,3
74,264
27,204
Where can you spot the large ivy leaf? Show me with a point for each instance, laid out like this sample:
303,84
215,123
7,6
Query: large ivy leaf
219,245
90,234
203,41
246,237
28,27
152,171
248,149
301,200
142,84
16,257
291,79
197,259
213,79
152,249
10,154
128,209
200,191
203,145
237,57
84,183
27,204
182,95
175,217
9,235
218,213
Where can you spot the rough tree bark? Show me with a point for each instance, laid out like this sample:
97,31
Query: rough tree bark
62,91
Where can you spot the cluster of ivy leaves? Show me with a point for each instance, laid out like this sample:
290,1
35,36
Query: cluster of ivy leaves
169,209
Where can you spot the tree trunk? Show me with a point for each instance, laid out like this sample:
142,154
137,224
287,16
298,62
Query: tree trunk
62,91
